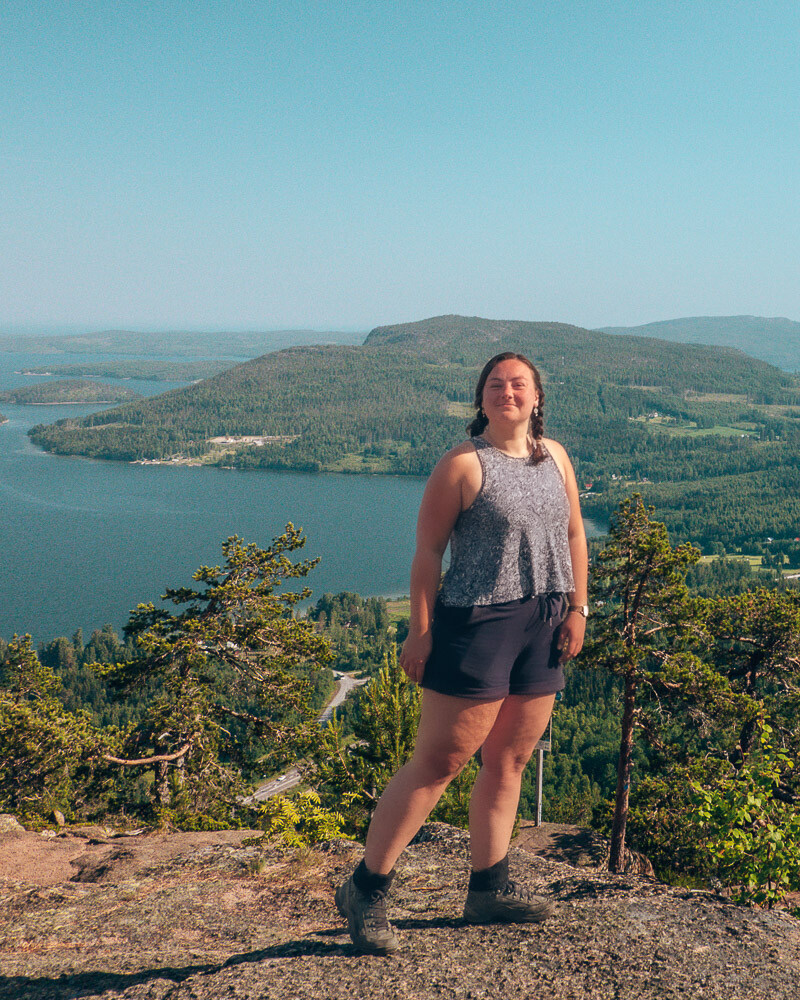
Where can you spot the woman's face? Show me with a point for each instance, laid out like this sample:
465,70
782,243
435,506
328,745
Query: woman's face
510,393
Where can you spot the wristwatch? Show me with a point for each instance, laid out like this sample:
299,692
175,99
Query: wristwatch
582,609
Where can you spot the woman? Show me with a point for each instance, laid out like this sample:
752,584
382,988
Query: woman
488,652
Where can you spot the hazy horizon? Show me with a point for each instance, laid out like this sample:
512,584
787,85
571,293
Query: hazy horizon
81,329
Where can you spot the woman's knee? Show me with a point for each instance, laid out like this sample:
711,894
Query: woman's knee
441,766
505,762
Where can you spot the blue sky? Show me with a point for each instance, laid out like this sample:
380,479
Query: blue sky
340,165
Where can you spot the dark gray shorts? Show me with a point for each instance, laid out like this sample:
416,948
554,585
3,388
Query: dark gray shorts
493,650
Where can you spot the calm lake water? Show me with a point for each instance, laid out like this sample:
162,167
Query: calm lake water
83,541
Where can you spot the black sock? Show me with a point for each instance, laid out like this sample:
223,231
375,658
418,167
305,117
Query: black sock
490,879
368,882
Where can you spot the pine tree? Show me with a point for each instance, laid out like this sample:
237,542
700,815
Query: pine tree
230,668
42,743
643,632
755,644
351,771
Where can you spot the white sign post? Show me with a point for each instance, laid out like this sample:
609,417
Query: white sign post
545,743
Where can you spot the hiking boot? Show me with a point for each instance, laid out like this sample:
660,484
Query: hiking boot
367,922
513,904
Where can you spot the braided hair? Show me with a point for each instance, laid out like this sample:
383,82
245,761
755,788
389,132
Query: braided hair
536,429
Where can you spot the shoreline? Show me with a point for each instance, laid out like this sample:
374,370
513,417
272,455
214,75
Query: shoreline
81,402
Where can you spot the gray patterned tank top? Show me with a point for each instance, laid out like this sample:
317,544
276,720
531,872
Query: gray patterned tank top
511,542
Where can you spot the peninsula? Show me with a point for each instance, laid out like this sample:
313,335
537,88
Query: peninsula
710,435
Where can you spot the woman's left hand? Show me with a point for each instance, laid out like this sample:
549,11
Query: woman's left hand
570,636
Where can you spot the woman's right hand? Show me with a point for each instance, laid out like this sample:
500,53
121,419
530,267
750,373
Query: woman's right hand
414,655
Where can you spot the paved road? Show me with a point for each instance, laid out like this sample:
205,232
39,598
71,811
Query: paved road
281,784
275,786
346,685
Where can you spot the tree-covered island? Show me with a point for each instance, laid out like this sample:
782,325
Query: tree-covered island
140,368
72,390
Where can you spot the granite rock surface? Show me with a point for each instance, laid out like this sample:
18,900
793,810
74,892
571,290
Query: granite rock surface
205,916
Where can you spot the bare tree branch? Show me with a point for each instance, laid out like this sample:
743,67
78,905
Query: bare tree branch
162,758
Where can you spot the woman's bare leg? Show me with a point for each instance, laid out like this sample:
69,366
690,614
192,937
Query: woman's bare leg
517,729
450,731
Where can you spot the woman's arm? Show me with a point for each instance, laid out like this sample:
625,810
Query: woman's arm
438,512
573,628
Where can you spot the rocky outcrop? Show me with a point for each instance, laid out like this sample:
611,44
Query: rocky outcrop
10,824
206,916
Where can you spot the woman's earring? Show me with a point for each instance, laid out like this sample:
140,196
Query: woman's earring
536,411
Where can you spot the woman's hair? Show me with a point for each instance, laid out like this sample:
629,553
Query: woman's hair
481,421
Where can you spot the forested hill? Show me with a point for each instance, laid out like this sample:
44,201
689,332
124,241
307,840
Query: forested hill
559,347
776,340
629,409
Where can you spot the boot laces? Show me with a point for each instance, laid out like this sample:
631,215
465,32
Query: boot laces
375,912
517,891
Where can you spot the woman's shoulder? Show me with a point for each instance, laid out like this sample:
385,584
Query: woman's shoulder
458,461
465,448
554,447
559,455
